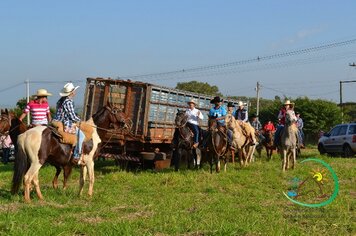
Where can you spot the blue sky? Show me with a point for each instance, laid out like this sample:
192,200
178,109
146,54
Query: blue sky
71,40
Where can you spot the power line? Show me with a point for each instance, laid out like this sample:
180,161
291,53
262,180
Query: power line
11,87
247,61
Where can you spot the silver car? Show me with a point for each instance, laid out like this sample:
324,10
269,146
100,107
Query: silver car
340,140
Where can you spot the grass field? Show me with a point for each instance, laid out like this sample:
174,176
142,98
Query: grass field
189,202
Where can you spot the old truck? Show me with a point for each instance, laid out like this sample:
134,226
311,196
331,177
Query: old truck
151,110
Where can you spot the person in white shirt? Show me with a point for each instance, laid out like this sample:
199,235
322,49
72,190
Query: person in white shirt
194,115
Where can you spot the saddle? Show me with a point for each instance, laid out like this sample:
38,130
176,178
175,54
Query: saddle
68,138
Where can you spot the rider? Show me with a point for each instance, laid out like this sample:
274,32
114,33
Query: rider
241,115
300,125
219,112
282,120
231,109
65,113
256,124
39,108
269,127
193,117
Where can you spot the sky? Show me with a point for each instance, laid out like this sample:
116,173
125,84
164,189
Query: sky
52,42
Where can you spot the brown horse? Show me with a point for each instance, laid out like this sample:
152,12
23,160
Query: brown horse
217,144
268,143
184,142
39,145
11,124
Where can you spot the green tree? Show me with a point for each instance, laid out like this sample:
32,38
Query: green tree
199,87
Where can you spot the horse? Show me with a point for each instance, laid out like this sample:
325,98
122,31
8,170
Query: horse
184,142
240,140
268,143
10,123
217,144
288,143
40,145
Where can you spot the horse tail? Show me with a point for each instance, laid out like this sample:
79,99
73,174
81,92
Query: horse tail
21,165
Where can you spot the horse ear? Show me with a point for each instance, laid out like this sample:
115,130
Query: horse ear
6,111
178,110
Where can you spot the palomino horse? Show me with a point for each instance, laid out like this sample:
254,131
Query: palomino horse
240,140
288,141
185,142
39,145
217,144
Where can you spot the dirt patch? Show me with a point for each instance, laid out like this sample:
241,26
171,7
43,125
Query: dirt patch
11,207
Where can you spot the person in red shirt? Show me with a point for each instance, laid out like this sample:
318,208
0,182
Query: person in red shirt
39,109
269,126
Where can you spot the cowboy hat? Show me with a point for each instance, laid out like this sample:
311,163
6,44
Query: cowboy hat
230,104
192,101
42,93
68,88
216,99
287,102
240,104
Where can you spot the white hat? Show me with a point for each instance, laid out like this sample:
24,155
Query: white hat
192,101
42,93
240,104
68,89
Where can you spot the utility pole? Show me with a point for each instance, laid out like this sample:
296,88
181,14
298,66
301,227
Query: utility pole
28,99
258,87
341,102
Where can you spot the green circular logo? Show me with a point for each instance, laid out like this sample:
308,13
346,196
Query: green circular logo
316,177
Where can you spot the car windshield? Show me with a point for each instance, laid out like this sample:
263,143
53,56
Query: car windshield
335,131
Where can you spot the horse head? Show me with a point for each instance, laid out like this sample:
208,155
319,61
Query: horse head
212,123
290,117
181,118
5,121
230,121
115,116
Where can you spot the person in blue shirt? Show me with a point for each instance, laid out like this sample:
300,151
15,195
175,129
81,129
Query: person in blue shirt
220,112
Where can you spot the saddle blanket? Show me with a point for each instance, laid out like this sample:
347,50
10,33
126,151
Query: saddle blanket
69,138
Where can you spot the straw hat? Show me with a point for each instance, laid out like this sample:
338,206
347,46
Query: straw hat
42,93
240,104
288,103
68,88
192,101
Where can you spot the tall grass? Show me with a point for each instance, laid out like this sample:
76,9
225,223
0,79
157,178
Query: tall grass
245,201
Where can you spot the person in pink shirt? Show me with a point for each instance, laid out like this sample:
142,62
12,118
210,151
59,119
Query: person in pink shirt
38,108
6,143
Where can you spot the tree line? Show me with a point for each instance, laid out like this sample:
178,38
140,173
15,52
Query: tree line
318,114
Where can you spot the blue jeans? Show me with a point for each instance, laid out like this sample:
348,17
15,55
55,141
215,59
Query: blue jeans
5,155
78,148
195,129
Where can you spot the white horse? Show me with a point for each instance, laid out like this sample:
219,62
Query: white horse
288,143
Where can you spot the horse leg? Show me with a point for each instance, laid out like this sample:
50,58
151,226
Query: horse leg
177,159
34,168
90,167
55,179
67,170
198,157
294,156
211,162
284,153
83,174
36,183
217,164
225,163
233,156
